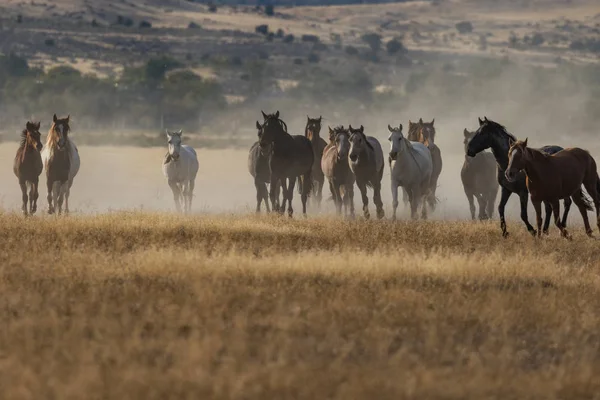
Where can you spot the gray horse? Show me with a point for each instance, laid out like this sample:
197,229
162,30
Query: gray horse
367,163
478,176
411,166
336,169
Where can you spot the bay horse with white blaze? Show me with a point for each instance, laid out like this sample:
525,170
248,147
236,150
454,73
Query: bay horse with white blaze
28,165
337,170
291,157
554,177
61,160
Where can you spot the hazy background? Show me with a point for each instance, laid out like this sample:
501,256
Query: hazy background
126,70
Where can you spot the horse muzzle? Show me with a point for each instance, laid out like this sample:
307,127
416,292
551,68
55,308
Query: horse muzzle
393,155
471,153
353,157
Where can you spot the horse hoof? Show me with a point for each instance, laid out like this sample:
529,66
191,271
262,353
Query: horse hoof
505,234
545,232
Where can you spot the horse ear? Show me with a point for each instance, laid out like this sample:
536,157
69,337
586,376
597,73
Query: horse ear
330,130
68,118
277,114
485,118
466,132
263,113
350,128
320,118
400,127
55,118
258,125
480,121
307,117
432,121
168,133
525,142
390,128
180,132
362,129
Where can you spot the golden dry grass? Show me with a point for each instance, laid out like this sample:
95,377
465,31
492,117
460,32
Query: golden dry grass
156,306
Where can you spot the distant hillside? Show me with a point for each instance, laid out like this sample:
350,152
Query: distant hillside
298,2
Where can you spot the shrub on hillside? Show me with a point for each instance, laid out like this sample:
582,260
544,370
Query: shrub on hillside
270,10
351,50
395,46
373,40
464,27
288,38
310,38
262,29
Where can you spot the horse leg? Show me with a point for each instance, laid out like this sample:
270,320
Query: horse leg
501,206
556,211
524,197
377,200
67,194
319,191
305,192
290,191
413,198
548,210
23,186
580,203
349,192
567,203
491,199
34,196
394,199
31,187
259,194
190,194
62,189
537,205
431,199
481,202
471,204
50,186
405,197
176,194
337,198
55,194
363,193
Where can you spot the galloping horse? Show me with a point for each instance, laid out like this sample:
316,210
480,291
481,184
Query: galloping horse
258,166
312,132
410,167
554,177
424,132
337,170
291,158
180,167
367,163
61,160
478,175
495,136
28,165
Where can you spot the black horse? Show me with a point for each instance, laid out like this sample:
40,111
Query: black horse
313,133
258,166
492,135
290,158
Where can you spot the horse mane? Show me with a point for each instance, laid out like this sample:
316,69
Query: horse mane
503,130
23,138
273,117
52,139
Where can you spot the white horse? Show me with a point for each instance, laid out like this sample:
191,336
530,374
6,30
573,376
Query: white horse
61,161
410,167
180,167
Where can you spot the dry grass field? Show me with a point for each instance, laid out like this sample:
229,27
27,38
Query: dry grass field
156,306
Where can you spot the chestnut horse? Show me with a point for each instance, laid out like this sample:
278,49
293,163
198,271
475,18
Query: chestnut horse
554,177
28,165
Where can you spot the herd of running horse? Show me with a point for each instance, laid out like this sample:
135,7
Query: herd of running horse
281,160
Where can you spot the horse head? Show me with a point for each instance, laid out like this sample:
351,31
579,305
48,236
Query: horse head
313,128
396,138
174,143
518,156
340,138
358,143
271,128
32,136
59,132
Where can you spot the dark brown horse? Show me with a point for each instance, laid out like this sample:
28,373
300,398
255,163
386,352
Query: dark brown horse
290,158
258,166
554,177
28,165
479,181
367,163
336,168
424,132
313,132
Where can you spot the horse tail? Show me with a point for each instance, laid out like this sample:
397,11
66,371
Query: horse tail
586,200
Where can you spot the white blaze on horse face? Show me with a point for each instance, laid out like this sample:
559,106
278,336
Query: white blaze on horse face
174,142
